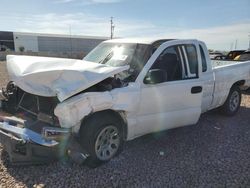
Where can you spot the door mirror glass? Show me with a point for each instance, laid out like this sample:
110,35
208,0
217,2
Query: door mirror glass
155,76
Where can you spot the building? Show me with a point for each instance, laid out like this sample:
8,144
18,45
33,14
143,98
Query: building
54,43
6,41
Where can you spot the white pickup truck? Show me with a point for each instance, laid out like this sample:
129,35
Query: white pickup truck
123,89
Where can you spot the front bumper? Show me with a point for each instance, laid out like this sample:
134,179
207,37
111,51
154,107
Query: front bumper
25,146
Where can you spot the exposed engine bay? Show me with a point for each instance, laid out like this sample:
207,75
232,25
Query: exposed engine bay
22,104
40,108
48,98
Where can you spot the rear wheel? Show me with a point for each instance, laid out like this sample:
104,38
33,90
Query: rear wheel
232,104
102,137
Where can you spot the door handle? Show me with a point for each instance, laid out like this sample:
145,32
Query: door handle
196,89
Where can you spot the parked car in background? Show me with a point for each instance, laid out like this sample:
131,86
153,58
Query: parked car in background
220,57
233,54
245,56
214,55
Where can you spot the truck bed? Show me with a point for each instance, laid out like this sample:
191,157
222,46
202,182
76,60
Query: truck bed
227,73
219,63
232,70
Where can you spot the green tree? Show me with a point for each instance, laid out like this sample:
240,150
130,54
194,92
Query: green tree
21,48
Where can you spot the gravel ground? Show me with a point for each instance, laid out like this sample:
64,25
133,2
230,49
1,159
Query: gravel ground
213,153
3,74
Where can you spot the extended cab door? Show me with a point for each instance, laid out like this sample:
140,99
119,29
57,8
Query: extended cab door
176,101
207,78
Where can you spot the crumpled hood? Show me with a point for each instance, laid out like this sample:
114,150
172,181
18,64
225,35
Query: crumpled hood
59,77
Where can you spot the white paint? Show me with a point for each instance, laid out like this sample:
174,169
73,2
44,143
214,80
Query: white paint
225,77
151,108
169,104
57,76
72,111
147,108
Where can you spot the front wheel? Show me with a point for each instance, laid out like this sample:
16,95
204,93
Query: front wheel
232,104
101,135
107,142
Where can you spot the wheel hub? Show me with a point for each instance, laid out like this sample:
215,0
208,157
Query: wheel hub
107,143
234,101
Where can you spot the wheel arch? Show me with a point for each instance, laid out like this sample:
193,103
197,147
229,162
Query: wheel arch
121,115
226,107
235,84
239,83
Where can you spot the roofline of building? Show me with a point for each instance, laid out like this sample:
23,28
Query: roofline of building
59,35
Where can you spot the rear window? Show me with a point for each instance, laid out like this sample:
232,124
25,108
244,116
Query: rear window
192,58
203,60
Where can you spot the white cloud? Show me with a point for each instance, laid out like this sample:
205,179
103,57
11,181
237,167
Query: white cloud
82,24
222,37
105,1
85,24
88,2
64,1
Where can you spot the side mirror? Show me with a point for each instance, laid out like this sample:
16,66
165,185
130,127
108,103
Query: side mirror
155,76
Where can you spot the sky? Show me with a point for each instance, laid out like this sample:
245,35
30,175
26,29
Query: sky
222,24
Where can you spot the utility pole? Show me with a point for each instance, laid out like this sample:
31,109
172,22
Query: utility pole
236,42
70,41
249,41
112,28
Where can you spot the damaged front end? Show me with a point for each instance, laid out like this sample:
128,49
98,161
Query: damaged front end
32,134
47,102
25,146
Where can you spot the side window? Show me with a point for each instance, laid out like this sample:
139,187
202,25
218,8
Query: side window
203,60
169,61
192,59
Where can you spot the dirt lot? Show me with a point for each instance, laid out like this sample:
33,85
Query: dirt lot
213,153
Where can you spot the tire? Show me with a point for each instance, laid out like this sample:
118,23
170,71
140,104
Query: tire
232,104
101,135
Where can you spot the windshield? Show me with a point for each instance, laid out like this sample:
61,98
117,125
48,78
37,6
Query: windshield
121,54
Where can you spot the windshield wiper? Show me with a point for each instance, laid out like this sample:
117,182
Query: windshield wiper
107,58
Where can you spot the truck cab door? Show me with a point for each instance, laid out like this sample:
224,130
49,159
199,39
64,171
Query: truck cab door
207,77
175,101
